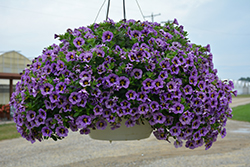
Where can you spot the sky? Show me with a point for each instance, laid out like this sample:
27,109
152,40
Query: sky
28,26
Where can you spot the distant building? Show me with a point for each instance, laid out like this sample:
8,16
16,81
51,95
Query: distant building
10,62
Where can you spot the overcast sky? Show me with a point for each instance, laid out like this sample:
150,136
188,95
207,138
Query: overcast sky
29,26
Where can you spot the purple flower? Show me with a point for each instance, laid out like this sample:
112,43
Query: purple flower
150,67
83,121
124,82
196,124
178,143
54,97
107,36
157,83
70,56
163,75
188,90
142,96
223,133
61,131
193,80
143,108
101,124
74,98
100,53
175,22
84,82
160,134
137,73
84,131
46,89
171,86
147,83
130,123
131,95
169,120
175,131
113,79
78,42
31,115
39,120
98,110
154,106
159,118
60,87
46,131
136,34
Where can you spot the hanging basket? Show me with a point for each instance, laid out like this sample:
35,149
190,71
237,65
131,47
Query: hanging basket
136,132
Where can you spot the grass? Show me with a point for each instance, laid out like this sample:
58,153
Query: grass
8,131
241,96
241,113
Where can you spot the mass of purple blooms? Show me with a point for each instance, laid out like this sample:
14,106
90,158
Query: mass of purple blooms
132,70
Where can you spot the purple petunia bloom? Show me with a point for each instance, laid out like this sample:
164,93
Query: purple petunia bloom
147,83
193,80
130,123
142,96
223,133
196,124
150,67
39,120
83,121
46,131
169,120
163,75
70,56
101,124
78,42
98,110
178,143
74,98
113,79
61,131
54,97
154,106
136,34
107,36
158,83
60,87
159,118
46,89
31,115
143,108
124,82
137,73
188,90
177,108
84,131
185,120
84,82
100,53
131,95
175,131
171,86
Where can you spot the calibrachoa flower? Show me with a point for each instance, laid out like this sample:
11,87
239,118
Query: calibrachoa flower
105,73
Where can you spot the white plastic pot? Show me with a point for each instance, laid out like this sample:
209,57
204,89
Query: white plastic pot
136,132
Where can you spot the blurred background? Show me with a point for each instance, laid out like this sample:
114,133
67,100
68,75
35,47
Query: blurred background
28,26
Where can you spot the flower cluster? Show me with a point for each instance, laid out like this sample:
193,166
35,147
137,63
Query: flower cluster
132,70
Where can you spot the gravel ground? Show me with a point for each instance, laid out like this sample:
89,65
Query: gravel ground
79,150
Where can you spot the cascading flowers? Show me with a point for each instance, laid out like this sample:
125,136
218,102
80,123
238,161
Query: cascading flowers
132,70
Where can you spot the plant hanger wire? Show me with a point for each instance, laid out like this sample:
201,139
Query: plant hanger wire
107,13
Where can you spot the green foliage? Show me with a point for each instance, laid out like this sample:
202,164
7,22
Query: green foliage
242,113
